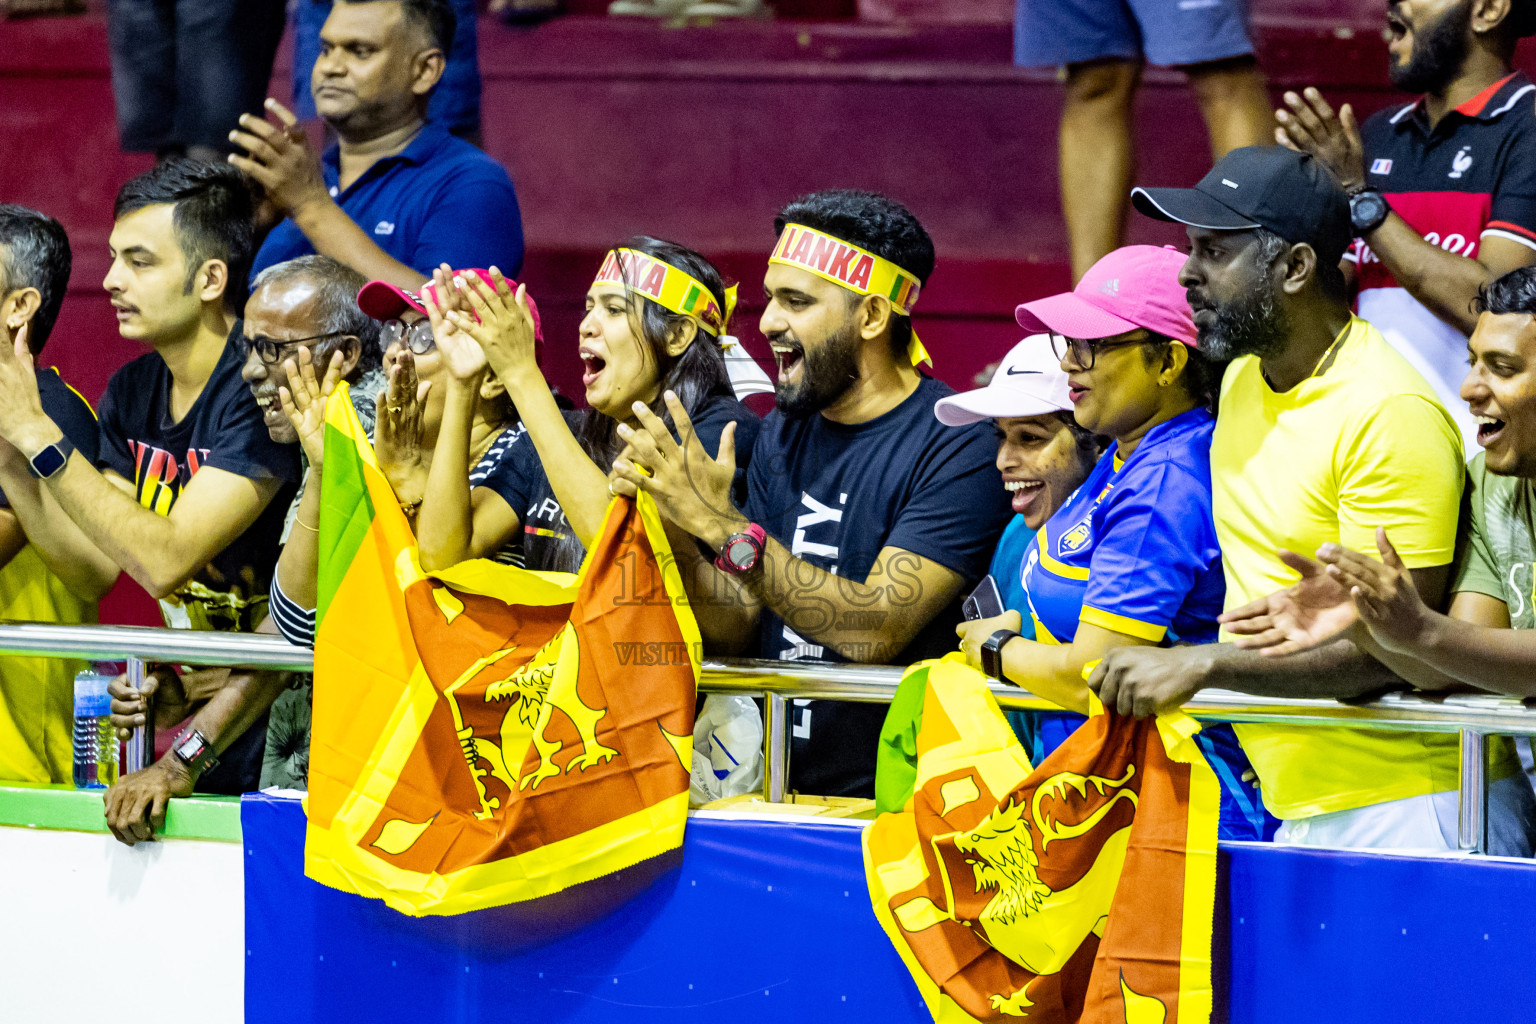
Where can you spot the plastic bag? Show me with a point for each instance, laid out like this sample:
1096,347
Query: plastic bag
727,749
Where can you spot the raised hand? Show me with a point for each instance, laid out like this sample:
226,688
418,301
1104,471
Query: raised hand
691,488
1312,611
303,401
501,323
1382,592
1333,139
398,435
22,420
462,355
280,158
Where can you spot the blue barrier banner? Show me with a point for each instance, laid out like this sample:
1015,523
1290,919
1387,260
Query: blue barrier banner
769,920
761,921
1326,935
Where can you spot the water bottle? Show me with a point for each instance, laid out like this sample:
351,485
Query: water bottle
95,741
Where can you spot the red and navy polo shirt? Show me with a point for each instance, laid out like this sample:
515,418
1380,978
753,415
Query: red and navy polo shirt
1470,177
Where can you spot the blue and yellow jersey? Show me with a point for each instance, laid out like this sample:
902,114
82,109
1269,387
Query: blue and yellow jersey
1134,548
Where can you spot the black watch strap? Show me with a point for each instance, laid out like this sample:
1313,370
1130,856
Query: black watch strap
1368,209
992,652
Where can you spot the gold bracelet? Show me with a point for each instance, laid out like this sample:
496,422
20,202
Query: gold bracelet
410,508
299,522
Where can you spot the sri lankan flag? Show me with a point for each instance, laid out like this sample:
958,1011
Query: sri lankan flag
490,735
1081,890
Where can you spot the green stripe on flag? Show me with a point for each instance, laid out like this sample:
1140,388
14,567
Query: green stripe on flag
691,298
896,289
896,756
346,511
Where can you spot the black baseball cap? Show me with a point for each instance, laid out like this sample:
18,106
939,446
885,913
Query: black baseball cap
1268,187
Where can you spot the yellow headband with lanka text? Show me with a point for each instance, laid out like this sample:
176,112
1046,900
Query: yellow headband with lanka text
855,269
669,286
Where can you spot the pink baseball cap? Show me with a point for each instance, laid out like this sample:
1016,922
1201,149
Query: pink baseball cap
384,301
1028,382
1134,287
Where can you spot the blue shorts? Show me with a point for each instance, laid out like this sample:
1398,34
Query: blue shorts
1173,33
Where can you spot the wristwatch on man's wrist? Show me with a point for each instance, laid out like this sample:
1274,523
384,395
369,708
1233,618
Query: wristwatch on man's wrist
195,751
742,550
992,652
1367,209
52,459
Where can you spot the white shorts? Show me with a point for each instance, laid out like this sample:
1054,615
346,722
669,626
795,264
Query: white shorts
1422,824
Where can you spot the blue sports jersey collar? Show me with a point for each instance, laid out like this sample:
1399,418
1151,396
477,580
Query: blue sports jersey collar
418,151
1168,430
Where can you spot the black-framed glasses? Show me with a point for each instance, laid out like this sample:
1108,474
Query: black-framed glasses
1086,350
270,350
417,336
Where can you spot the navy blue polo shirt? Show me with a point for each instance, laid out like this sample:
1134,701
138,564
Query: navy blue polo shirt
440,200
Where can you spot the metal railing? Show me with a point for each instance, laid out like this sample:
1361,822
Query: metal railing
1474,716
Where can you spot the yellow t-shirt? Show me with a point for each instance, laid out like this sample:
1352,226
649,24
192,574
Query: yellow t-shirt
37,694
1364,444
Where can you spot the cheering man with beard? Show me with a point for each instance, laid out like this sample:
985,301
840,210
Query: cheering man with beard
866,520
1324,434
1443,189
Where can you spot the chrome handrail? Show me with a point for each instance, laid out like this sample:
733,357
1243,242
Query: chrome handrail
1471,715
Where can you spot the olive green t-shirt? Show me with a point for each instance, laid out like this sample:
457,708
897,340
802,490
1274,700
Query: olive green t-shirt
1496,552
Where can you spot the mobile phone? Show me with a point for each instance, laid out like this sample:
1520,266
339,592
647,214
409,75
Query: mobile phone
985,602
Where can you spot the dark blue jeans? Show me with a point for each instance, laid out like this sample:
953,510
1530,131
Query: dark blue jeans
455,103
183,71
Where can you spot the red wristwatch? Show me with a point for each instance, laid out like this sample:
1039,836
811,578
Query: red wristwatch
742,551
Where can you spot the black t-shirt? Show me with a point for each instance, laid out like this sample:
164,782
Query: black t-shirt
520,479
222,430
835,495
71,413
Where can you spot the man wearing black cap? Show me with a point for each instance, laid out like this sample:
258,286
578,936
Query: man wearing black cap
1443,190
1324,434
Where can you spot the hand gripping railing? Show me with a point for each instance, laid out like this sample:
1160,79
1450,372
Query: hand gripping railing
1473,716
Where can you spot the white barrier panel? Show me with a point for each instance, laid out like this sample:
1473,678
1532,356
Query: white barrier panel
93,930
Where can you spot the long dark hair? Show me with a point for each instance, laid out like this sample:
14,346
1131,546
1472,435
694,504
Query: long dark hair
695,375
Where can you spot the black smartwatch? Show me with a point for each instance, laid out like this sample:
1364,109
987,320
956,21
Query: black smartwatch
52,459
1367,209
195,751
992,652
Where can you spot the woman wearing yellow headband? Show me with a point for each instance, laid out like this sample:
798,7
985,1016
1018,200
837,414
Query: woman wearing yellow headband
653,322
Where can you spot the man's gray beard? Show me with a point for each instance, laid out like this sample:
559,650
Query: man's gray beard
1256,327
826,374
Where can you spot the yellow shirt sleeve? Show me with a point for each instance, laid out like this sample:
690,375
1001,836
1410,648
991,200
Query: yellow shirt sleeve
1403,470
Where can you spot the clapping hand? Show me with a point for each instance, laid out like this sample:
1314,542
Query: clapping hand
280,158
502,323
1382,592
1312,611
398,434
22,420
1333,139
691,488
303,400
445,304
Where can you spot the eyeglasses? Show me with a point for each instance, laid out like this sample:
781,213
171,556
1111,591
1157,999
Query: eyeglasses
269,350
417,336
1086,350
